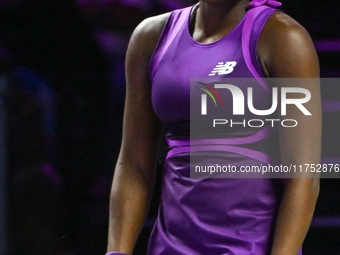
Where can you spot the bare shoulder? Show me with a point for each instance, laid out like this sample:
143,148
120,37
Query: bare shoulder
284,42
141,47
283,27
147,33
153,25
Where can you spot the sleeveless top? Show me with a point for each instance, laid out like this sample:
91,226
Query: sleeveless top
212,216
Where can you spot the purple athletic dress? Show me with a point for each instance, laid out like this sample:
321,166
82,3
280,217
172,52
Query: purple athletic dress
211,216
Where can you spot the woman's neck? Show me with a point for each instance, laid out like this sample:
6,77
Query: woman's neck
215,19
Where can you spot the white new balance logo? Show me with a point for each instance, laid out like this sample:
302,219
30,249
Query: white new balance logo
222,68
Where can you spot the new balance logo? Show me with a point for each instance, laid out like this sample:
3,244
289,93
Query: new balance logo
222,68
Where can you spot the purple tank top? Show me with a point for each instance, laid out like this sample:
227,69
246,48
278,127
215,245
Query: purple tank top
178,57
210,216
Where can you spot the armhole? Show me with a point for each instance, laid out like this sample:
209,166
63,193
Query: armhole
255,36
172,26
153,64
253,25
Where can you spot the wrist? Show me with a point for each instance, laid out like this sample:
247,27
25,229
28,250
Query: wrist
115,253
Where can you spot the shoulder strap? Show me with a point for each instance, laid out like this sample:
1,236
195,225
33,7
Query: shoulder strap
252,14
174,23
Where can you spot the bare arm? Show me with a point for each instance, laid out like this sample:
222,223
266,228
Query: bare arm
286,50
135,170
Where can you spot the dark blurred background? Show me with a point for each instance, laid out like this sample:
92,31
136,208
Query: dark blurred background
62,92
